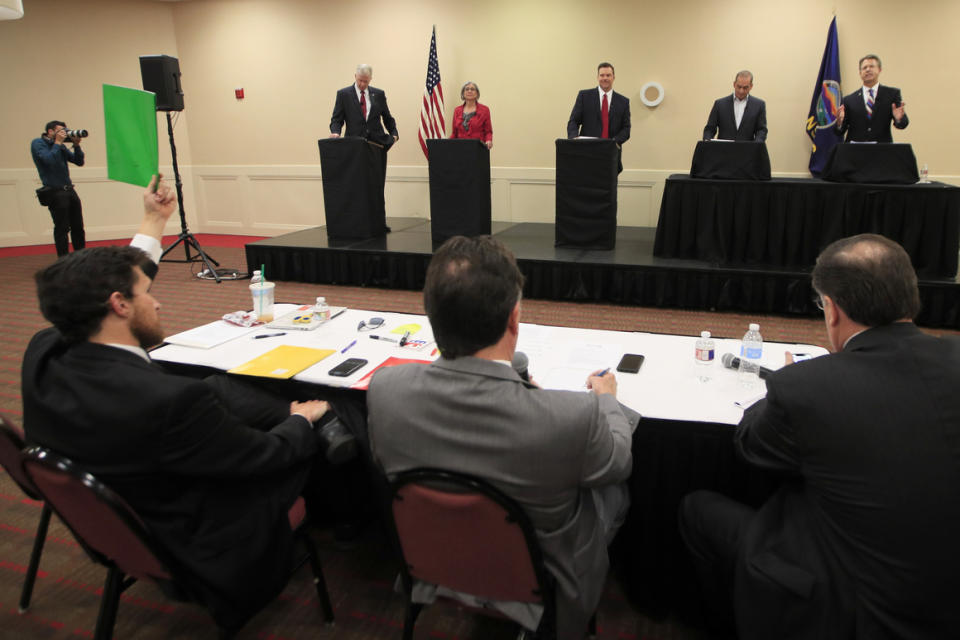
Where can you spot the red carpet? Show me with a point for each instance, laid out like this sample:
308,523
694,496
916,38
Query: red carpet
205,240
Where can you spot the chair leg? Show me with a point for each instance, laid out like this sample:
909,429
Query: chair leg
109,603
410,619
318,581
34,565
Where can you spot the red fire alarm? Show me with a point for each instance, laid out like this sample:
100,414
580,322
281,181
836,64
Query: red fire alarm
239,93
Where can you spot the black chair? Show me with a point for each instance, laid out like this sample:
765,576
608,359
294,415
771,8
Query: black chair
11,458
463,533
114,536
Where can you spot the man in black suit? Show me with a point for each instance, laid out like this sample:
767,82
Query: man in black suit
739,116
213,484
601,112
866,114
364,110
860,540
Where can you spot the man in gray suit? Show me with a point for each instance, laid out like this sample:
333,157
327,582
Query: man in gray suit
563,455
739,116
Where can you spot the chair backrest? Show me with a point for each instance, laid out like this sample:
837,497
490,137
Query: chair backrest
100,519
461,532
11,456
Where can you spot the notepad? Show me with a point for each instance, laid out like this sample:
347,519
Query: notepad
282,362
302,319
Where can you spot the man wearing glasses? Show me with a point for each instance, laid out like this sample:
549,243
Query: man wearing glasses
860,539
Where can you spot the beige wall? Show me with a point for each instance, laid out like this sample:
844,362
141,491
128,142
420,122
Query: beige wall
251,166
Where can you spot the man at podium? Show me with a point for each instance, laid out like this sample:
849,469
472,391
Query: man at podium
866,114
739,116
601,112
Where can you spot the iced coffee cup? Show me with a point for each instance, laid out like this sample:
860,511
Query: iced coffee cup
262,293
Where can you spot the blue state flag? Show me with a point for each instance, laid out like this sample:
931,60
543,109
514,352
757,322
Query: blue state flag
827,98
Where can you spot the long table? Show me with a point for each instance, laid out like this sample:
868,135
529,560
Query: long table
788,221
684,441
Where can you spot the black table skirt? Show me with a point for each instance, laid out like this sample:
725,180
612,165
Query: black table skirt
886,163
728,160
788,221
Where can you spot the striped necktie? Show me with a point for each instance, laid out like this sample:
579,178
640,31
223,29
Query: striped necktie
869,103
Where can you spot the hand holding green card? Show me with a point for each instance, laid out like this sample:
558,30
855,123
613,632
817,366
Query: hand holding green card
130,116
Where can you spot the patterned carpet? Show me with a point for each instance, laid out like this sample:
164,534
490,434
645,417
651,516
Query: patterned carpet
360,578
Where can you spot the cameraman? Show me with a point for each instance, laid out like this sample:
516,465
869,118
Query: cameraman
51,157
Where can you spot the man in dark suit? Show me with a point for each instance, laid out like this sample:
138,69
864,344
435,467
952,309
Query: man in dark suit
213,489
866,114
860,540
739,116
601,112
563,455
364,110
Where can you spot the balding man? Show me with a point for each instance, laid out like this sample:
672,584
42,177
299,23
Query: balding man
860,540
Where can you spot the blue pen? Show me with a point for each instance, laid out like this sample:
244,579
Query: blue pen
604,372
347,348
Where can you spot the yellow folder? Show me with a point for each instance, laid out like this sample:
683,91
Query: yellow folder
282,362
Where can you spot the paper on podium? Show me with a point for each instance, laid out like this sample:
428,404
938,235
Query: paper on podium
283,362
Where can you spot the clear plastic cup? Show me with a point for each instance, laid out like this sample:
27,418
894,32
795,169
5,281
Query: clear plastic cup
262,293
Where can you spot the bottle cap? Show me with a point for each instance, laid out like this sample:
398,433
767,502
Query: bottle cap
321,300
704,334
754,326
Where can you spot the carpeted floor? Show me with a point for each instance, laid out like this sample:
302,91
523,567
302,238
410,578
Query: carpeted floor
359,578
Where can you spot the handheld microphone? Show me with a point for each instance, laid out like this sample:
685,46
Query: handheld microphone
520,363
731,361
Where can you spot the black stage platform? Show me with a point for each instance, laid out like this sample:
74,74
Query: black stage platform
628,274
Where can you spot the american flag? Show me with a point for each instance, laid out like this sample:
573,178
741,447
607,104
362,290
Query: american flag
431,110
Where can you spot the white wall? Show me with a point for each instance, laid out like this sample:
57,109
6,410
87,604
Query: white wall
251,166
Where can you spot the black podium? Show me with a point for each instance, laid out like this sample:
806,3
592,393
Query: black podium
587,193
727,160
352,171
880,163
459,188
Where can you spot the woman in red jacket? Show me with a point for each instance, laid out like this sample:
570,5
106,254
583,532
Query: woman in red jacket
472,119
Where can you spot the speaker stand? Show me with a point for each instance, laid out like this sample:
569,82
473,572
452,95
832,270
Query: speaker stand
187,238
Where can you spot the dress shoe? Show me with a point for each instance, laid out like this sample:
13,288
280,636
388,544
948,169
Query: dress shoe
336,442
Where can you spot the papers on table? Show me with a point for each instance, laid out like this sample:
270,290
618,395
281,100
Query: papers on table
282,362
210,335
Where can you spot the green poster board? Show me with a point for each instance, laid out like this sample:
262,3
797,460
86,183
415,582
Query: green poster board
130,118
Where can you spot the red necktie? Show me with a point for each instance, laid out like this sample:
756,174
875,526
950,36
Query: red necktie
363,105
605,117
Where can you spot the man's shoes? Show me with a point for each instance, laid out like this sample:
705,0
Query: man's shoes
336,442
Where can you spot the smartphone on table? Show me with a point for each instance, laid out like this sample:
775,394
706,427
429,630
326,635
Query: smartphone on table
630,363
348,366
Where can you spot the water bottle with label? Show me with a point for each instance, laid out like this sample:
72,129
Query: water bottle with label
924,175
704,353
751,352
321,312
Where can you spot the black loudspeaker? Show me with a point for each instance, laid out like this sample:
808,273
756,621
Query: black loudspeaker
161,75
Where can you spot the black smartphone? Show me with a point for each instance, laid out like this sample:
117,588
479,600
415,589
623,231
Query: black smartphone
347,367
630,363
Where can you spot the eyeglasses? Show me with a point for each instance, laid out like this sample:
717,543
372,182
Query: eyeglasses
817,300
371,324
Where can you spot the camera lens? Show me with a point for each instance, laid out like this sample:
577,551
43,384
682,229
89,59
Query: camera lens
77,133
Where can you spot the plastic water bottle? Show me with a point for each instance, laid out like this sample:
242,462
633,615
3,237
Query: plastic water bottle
751,352
256,277
321,311
704,353
924,175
